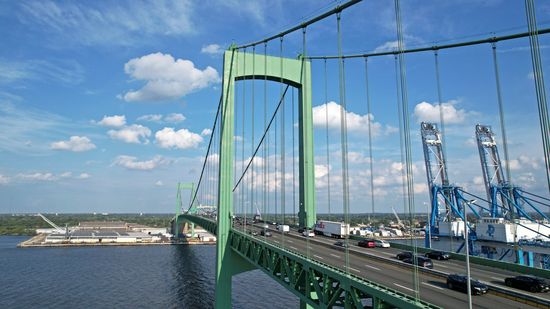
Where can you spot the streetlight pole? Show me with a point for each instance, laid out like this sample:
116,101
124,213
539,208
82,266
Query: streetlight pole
466,237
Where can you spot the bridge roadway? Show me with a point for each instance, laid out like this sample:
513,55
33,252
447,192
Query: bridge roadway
378,265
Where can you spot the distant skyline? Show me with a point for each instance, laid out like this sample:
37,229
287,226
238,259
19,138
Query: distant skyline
106,105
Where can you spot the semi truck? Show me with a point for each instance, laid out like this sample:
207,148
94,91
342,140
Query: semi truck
332,229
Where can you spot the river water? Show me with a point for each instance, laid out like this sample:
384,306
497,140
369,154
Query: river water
125,277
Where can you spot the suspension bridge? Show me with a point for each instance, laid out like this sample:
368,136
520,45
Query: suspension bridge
259,171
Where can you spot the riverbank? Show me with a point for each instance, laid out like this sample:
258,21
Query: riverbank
38,241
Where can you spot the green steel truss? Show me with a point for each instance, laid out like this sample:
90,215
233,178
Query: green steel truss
317,284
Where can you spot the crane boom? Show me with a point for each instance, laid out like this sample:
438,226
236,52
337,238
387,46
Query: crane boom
50,222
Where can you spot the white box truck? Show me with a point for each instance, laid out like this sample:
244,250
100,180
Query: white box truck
332,229
283,228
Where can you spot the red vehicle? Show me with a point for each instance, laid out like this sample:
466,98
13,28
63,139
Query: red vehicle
366,244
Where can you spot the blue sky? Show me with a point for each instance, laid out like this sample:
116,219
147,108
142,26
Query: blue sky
104,104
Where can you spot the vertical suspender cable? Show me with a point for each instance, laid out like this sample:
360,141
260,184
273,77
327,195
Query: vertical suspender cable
343,134
327,139
407,137
441,114
501,114
370,118
283,191
236,201
539,84
304,54
242,189
252,176
265,145
293,162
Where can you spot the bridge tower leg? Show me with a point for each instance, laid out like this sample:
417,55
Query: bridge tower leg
296,73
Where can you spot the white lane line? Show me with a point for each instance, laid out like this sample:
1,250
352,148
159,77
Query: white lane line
433,286
334,255
353,269
276,241
439,265
404,287
290,241
497,278
386,253
319,257
292,247
372,267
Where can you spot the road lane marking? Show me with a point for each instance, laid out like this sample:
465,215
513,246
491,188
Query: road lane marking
334,255
291,247
372,267
353,269
497,278
290,241
319,257
276,241
404,287
433,286
386,253
439,265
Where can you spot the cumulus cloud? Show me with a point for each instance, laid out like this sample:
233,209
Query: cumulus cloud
206,132
132,163
181,139
166,78
84,176
75,143
135,134
159,183
4,179
356,123
212,49
425,111
387,46
113,121
321,170
152,118
174,117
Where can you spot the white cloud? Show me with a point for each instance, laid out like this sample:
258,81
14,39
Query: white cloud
115,23
64,71
159,183
206,132
174,117
212,49
356,123
166,78
4,179
478,180
152,118
425,111
387,46
83,176
135,134
38,177
321,170
75,143
132,163
182,139
113,121
65,175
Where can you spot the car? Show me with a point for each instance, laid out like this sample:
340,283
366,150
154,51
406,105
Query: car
265,233
301,230
404,255
459,282
528,283
438,255
265,226
341,244
308,233
253,233
381,243
419,261
366,244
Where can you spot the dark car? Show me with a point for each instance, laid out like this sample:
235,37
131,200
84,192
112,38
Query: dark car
404,255
420,261
301,230
265,233
438,255
459,282
366,244
528,283
341,244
